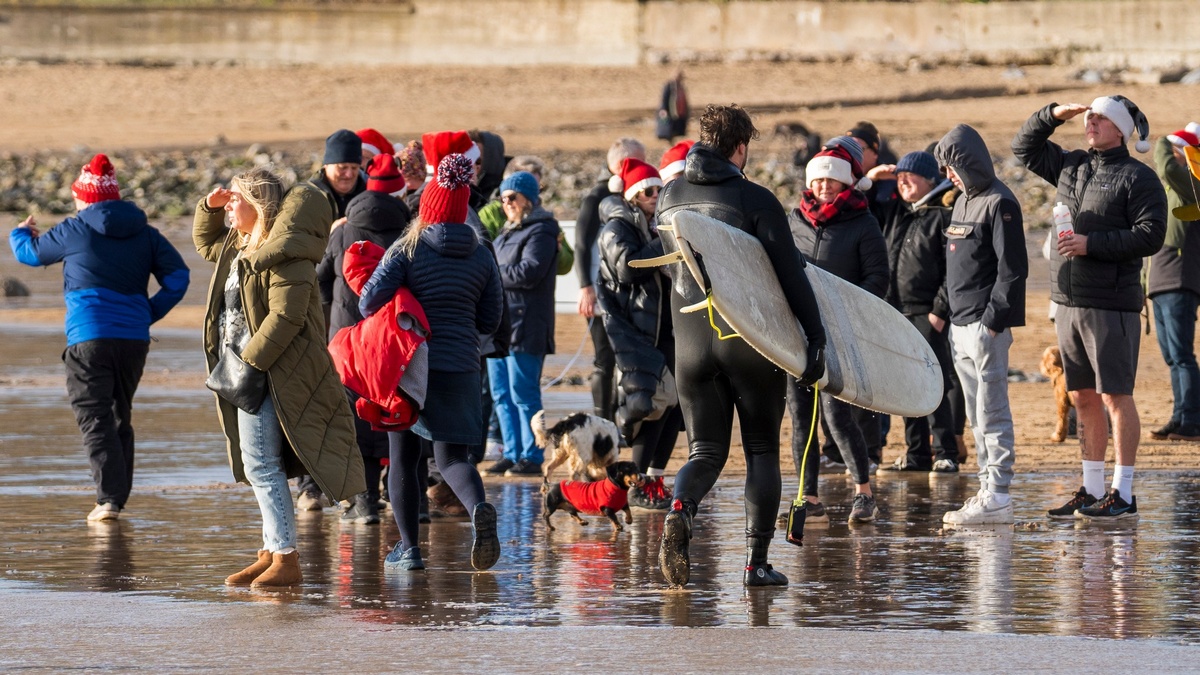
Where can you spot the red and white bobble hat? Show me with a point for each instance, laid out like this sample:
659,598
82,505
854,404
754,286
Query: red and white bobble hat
1189,135
97,181
673,160
375,142
440,144
632,177
445,198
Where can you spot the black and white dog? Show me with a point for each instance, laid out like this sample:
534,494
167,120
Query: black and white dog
587,443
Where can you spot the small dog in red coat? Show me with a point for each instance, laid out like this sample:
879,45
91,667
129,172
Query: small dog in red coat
598,497
1052,367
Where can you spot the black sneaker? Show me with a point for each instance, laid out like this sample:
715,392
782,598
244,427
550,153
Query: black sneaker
485,549
499,467
1067,511
763,575
1110,507
362,511
863,509
673,557
525,468
1165,431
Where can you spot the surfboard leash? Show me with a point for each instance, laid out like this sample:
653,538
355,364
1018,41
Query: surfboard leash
712,322
799,509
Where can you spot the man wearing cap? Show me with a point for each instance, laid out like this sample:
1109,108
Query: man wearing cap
109,252
341,177
1173,285
986,266
914,228
1119,212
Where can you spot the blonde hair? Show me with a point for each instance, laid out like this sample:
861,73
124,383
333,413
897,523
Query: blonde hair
263,190
407,243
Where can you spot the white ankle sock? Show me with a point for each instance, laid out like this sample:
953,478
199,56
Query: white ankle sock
1093,477
1123,481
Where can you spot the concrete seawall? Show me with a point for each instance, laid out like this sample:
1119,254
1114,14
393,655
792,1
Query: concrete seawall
1124,33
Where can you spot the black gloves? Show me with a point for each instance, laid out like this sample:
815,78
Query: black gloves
815,368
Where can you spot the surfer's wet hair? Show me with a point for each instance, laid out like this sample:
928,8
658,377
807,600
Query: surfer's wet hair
725,127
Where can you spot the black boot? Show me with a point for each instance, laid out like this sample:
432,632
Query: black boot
758,571
602,395
673,551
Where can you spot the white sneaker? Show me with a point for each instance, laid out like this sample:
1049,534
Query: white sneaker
104,512
980,510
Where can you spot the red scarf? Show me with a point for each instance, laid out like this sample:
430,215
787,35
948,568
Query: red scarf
817,213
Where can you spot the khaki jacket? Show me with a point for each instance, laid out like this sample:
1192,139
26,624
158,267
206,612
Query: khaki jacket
287,327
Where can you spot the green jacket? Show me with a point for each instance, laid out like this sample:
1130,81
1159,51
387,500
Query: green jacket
1182,189
287,327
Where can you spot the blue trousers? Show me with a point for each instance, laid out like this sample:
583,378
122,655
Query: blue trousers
517,396
1175,327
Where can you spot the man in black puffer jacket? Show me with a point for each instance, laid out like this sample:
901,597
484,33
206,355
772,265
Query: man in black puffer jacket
1120,216
714,376
914,228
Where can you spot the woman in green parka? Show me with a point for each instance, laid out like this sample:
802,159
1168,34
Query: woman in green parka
264,303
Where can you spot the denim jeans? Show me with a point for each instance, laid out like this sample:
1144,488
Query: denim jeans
1175,327
517,397
982,363
262,460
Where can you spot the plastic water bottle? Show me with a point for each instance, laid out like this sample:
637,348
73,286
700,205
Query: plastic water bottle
1063,225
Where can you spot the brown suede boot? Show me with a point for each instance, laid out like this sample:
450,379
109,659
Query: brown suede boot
284,571
250,573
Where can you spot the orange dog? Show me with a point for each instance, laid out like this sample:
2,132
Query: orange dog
1052,368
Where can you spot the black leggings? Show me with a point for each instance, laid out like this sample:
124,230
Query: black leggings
715,377
843,429
405,486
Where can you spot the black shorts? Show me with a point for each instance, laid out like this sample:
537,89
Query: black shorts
1099,348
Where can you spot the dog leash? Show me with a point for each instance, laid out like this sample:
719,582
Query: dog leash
799,509
571,364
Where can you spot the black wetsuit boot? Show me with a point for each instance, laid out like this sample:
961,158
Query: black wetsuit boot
673,551
758,571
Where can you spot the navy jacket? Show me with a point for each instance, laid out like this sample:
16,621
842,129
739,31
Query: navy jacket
528,256
455,279
108,252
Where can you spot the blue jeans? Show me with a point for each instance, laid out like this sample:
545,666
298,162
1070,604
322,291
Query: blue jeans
262,460
1175,327
982,363
517,396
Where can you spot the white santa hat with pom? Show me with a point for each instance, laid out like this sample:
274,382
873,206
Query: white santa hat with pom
841,160
1126,116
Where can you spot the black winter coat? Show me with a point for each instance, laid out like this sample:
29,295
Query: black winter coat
528,257
372,216
916,245
849,246
632,302
986,260
340,203
1115,200
713,186
455,279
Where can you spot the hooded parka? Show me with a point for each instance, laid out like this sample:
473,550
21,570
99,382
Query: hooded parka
287,328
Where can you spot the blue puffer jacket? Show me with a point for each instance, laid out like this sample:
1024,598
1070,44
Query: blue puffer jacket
454,277
528,257
108,252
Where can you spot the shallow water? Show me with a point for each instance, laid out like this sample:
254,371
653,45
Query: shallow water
186,528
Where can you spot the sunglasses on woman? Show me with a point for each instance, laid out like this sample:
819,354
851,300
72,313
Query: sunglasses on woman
510,198
651,191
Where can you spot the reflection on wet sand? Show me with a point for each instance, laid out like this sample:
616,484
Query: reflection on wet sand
186,528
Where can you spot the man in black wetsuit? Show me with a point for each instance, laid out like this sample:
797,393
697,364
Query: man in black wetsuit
716,376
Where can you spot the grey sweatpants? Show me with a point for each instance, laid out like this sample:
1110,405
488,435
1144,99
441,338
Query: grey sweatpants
982,365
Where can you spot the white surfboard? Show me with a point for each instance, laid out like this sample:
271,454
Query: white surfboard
874,358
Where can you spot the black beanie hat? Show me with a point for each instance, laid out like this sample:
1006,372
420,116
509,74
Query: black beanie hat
343,147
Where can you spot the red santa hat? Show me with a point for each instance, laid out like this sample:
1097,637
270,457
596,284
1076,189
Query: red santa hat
673,160
632,177
445,198
440,144
383,176
1183,138
374,141
838,162
97,181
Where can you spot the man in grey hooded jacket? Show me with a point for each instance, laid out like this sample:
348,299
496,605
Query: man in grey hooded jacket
986,267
